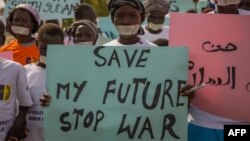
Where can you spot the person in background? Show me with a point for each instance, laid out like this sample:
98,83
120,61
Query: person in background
49,33
85,11
155,11
84,32
14,96
226,6
127,16
2,30
22,23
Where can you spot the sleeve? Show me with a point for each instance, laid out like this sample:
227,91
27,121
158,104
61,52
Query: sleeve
23,93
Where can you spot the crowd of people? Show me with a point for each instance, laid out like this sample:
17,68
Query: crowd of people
24,78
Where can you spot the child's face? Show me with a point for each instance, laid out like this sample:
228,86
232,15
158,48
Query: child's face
22,18
127,15
83,34
46,40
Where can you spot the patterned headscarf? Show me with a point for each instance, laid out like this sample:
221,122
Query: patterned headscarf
87,23
115,4
161,5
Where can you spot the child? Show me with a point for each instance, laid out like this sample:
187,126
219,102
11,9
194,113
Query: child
13,87
84,32
156,10
22,22
127,16
49,33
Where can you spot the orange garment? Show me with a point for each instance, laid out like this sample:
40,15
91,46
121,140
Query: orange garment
23,54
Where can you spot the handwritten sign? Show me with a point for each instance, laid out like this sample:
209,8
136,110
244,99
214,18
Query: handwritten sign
116,93
219,54
7,55
48,9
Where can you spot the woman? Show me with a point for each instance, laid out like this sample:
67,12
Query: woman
22,23
127,16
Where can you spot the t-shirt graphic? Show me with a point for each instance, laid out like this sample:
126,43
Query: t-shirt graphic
5,92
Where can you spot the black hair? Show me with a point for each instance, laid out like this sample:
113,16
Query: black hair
50,29
10,19
85,11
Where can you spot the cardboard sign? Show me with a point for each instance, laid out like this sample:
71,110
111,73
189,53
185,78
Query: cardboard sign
219,56
48,9
116,94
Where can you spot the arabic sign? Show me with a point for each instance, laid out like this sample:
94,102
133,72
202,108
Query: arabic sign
116,94
48,9
7,55
219,58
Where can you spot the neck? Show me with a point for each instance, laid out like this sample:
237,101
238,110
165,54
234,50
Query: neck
128,40
153,31
25,40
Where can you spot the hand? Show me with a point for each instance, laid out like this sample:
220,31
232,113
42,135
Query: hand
185,92
45,100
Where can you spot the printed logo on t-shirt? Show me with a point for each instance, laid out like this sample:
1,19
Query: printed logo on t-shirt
5,92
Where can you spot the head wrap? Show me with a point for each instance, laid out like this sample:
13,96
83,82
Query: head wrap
87,23
31,10
115,4
226,2
161,5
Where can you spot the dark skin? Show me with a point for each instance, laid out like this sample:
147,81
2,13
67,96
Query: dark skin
229,9
47,39
127,15
18,128
156,17
245,5
22,18
83,34
2,36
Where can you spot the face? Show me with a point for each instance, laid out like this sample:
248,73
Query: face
83,34
23,19
127,15
48,39
156,17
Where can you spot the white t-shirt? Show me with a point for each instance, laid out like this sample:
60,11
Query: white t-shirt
164,34
37,83
13,89
141,42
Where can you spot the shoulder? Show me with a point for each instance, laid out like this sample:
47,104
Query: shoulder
10,65
9,46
